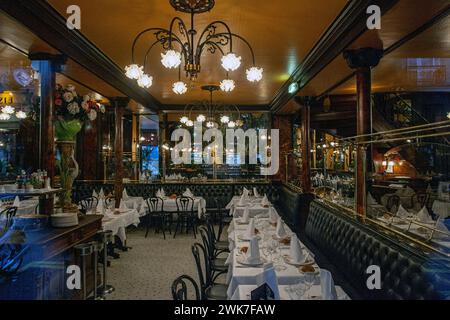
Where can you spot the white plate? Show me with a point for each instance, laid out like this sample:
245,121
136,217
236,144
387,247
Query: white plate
308,261
244,238
241,260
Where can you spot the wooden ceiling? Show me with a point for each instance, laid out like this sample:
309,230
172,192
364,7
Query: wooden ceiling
281,33
399,69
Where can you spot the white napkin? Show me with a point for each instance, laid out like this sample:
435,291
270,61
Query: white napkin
250,232
424,216
273,215
252,255
246,215
295,251
371,200
100,207
94,194
242,200
16,202
101,194
265,201
2,189
269,277
122,205
188,193
401,212
245,192
327,285
255,192
443,228
163,193
125,194
280,232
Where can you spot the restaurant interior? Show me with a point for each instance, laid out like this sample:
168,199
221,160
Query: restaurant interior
224,150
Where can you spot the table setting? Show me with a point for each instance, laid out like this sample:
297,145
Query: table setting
267,243
255,204
170,204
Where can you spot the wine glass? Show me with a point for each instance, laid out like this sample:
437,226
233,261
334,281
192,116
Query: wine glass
310,278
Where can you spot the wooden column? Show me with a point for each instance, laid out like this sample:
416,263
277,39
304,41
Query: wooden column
47,65
119,103
163,137
305,112
362,60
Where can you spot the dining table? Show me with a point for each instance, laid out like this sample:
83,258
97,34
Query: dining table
118,220
242,279
170,205
254,205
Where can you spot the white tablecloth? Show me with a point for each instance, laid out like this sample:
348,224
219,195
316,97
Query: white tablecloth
243,292
137,203
25,207
441,208
240,275
118,223
254,207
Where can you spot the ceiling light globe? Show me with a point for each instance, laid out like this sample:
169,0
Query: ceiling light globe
201,118
210,124
179,87
225,119
145,81
133,71
190,123
4,116
254,74
227,85
239,123
8,109
21,115
171,59
231,124
184,119
231,62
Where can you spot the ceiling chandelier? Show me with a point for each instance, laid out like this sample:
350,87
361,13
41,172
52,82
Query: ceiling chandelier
180,45
226,115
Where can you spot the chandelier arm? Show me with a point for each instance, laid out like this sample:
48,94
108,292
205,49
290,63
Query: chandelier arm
184,33
207,29
243,40
148,52
136,39
212,43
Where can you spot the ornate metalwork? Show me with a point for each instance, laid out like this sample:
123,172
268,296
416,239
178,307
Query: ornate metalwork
196,6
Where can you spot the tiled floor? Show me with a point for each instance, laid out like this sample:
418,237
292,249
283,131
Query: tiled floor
149,268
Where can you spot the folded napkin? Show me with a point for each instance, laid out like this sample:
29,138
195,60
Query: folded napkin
245,192
265,201
2,189
402,212
440,225
122,205
125,194
100,207
255,192
16,202
250,232
101,194
269,277
371,200
327,285
242,200
246,215
295,251
252,255
424,215
273,215
94,194
188,193
280,232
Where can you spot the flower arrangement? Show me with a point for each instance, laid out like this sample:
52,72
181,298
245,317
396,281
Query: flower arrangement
70,106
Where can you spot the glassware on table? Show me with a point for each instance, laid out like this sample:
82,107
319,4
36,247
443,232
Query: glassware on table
310,279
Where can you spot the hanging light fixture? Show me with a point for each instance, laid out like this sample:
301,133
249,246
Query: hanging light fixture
215,113
179,87
21,115
4,116
8,109
145,81
227,85
181,46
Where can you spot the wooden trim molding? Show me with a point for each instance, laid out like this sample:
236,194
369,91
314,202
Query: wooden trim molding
344,30
44,21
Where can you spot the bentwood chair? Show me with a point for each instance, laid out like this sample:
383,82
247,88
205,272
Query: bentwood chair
218,246
179,288
157,215
217,265
209,290
6,217
110,202
87,204
222,215
393,203
185,215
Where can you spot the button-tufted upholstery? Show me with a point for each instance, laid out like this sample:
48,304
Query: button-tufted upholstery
351,246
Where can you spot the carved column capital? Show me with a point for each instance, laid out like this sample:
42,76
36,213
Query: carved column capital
363,57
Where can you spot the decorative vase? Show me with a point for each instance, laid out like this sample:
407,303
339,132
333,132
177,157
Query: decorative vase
67,130
69,170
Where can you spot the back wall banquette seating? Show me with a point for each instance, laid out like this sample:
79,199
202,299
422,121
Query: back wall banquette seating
352,246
